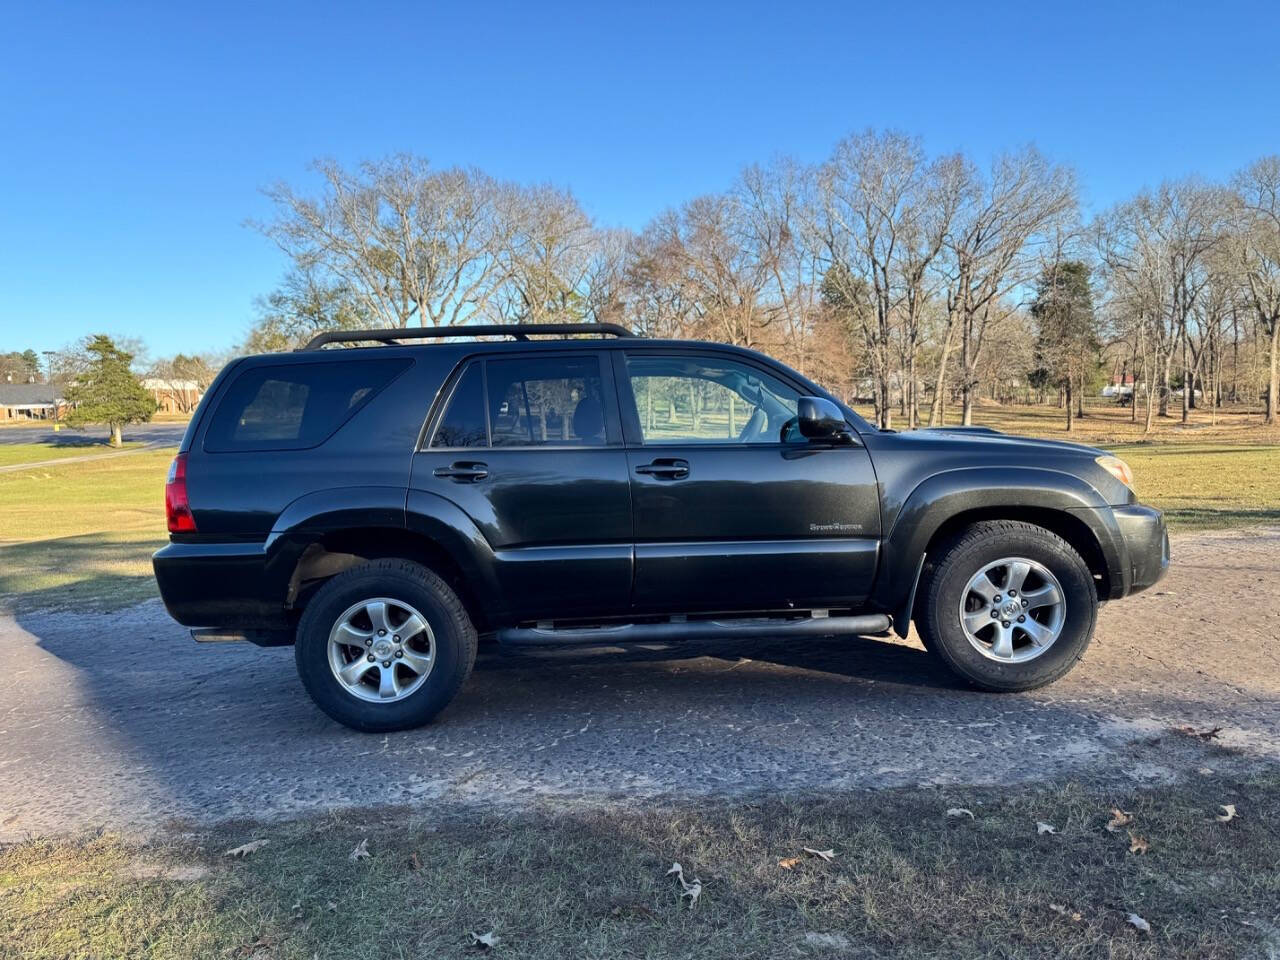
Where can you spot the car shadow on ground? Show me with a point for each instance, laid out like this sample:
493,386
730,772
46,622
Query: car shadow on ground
864,658
147,726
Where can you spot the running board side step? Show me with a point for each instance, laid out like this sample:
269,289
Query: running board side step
674,631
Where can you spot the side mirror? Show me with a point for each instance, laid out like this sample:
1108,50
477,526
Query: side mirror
820,419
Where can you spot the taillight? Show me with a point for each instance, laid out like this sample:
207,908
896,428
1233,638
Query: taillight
177,507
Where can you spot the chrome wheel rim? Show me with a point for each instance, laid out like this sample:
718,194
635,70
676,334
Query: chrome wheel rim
381,650
1012,610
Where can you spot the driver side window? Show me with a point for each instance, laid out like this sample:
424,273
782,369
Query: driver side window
684,399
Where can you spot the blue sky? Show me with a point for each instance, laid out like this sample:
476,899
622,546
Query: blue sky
135,138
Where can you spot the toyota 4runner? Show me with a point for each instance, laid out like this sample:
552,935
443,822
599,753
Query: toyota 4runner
382,508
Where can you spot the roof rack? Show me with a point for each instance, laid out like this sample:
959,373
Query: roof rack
519,331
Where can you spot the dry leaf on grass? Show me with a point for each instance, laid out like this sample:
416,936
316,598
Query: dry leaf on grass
361,852
1228,812
1137,921
1042,827
1137,844
1119,818
827,855
692,889
484,941
1063,911
1209,734
415,862
788,863
253,846
961,812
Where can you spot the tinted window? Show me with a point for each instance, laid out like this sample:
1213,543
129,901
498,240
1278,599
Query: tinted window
295,406
546,400
682,399
463,422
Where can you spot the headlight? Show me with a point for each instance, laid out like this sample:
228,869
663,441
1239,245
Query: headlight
1118,469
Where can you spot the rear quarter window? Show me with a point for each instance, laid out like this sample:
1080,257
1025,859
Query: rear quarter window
295,406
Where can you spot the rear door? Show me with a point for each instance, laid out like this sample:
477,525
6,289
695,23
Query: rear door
529,446
733,509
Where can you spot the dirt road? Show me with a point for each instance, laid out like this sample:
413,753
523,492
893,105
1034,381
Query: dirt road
120,720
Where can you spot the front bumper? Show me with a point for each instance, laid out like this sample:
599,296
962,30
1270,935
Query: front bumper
1145,538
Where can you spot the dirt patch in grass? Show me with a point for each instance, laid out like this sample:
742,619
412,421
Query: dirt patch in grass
906,881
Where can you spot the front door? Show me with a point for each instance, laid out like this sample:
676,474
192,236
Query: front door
529,447
733,509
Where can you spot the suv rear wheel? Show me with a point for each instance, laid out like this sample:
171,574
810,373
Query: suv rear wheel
1008,606
384,646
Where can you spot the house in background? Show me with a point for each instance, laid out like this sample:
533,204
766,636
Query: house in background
1121,385
173,396
31,401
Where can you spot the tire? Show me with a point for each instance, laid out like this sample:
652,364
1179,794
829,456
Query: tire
981,661
428,667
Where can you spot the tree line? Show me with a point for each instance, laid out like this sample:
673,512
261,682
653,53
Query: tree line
907,280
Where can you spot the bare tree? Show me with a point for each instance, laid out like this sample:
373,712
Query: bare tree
1258,245
992,247
406,242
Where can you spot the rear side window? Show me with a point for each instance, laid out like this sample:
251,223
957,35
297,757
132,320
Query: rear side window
295,406
526,402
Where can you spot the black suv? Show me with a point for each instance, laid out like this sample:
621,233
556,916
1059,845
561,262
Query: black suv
384,507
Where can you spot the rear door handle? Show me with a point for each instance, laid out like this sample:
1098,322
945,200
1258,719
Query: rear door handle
461,472
665,469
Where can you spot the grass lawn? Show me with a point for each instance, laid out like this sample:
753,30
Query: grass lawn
1207,485
81,535
906,881
12,454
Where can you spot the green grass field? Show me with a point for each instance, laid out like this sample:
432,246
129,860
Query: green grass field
81,535
12,454
906,880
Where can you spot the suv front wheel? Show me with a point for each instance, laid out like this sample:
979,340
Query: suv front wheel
384,646
1008,606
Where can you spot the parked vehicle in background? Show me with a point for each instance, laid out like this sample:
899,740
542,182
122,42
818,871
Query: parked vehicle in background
384,508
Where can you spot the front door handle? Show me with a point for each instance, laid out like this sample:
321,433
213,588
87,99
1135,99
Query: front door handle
665,469
463,472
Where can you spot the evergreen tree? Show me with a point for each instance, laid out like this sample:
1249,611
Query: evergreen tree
107,390
1067,344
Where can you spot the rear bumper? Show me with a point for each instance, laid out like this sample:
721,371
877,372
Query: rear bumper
219,585
1145,540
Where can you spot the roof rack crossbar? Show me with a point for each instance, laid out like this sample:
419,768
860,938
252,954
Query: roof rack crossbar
520,331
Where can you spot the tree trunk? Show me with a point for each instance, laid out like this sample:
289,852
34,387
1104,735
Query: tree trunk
1070,407
1273,384
1187,384
116,437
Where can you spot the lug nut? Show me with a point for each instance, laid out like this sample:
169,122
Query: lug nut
1022,619
396,638
1005,624
399,654
995,614
997,599
1013,593
386,663
368,642
1024,604
372,658
382,633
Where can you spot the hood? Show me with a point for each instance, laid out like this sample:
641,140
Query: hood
983,436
